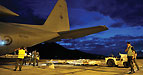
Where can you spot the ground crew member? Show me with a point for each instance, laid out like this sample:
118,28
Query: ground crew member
34,57
15,51
25,57
19,62
30,60
134,59
37,59
130,56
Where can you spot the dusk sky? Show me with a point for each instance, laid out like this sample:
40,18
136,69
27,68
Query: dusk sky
124,18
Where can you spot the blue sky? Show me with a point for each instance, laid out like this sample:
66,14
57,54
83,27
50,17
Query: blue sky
124,18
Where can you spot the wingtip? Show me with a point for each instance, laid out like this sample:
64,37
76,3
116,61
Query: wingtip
106,28
7,12
14,14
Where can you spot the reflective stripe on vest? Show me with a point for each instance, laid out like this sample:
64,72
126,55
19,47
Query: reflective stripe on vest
130,52
21,53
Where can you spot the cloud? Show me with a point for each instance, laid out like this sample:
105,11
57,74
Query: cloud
107,46
117,25
78,17
126,37
22,8
129,11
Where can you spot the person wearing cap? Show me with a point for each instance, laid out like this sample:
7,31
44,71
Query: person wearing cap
130,54
19,62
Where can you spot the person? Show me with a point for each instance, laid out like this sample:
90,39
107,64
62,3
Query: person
134,59
15,51
19,62
30,59
38,57
26,57
34,57
130,56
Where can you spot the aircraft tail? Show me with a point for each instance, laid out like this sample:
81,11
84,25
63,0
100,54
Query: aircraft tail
58,19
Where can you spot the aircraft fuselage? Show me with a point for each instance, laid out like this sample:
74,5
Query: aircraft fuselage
15,36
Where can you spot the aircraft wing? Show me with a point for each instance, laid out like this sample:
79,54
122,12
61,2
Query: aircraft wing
6,12
78,33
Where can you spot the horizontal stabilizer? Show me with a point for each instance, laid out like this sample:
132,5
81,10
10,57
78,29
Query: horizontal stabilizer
6,12
79,33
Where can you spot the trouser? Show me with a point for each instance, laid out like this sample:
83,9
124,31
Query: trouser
19,63
24,61
134,60
30,60
130,62
34,61
37,62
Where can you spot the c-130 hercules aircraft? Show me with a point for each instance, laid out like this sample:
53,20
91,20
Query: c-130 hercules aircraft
55,28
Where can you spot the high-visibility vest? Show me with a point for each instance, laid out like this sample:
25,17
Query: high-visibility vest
38,58
21,53
130,52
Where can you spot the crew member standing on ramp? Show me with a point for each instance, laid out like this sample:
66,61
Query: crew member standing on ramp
19,62
130,56
134,60
37,58
34,57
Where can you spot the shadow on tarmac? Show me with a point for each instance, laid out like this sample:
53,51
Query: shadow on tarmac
1,66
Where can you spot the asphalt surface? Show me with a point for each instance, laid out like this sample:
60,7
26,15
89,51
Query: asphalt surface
60,69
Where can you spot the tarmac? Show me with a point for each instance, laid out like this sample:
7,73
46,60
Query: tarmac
66,69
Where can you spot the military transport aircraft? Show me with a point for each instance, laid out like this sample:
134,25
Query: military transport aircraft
55,28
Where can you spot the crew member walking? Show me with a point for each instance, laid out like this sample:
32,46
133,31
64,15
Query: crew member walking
34,57
37,58
134,59
19,62
130,56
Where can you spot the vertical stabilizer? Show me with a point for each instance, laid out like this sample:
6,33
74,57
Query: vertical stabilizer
58,19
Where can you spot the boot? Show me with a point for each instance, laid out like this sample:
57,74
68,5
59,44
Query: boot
20,69
14,70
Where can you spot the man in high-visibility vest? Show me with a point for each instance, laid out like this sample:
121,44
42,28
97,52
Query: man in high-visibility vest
37,58
130,54
134,59
19,62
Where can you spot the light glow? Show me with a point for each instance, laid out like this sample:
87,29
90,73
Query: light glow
2,43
